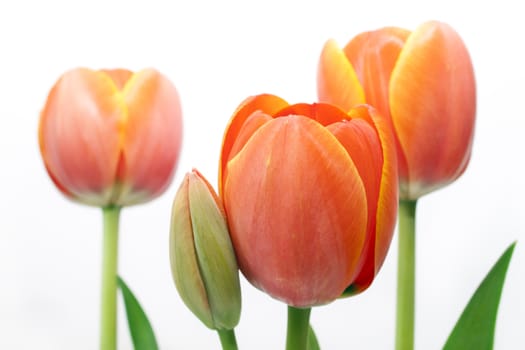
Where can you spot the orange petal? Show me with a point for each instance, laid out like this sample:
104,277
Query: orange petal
433,106
78,135
119,76
373,55
363,145
152,137
297,211
265,103
386,202
337,82
323,113
250,126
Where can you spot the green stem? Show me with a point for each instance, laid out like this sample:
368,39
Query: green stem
297,329
406,275
108,321
227,337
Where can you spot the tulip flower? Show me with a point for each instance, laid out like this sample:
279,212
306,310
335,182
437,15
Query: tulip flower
424,82
202,258
111,137
310,194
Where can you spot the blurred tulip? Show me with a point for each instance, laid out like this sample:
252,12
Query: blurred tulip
310,194
423,81
202,258
111,137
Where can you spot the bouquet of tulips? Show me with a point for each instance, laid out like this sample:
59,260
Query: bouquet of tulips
308,195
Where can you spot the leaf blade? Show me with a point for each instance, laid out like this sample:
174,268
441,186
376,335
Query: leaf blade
140,329
476,325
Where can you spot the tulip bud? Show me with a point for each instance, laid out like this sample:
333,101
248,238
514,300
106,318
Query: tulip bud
423,82
111,137
203,262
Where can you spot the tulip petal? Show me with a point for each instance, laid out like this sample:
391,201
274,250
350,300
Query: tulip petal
153,136
297,211
250,126
79,134
323,113
183,258
363,145
119,76
386,203
433,102
388,193
252,123
373,55
266,103
337,81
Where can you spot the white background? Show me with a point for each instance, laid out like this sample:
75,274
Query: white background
217,53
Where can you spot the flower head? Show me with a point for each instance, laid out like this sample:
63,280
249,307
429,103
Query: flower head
111,137
423,81
310,194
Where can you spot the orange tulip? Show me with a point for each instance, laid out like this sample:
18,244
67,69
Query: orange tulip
310,193
111,137
423,81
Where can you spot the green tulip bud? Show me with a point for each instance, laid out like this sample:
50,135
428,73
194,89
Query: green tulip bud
203,262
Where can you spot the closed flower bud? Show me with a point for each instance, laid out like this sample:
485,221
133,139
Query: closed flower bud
203,262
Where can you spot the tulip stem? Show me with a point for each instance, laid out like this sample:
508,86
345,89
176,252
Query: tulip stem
108,324
227,337
406,275
298,328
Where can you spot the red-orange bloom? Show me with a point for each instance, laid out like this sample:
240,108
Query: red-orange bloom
424,82
111,137
310,193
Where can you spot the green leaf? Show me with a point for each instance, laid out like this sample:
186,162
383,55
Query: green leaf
312,343
476,325
139,326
